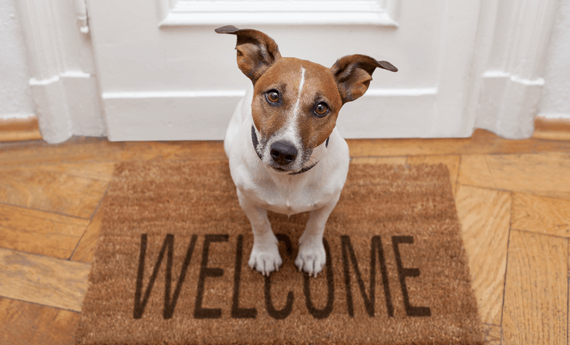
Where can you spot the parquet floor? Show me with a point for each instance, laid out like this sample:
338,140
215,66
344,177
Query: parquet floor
513,200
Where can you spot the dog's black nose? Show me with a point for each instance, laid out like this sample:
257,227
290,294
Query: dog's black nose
283,152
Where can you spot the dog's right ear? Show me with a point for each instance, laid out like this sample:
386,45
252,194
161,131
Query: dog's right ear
256,51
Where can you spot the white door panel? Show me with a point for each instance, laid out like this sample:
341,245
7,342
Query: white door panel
165,74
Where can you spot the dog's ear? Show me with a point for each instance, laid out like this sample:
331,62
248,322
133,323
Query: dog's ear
353,74
256,51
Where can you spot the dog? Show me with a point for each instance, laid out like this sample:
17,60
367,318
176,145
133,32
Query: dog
285,152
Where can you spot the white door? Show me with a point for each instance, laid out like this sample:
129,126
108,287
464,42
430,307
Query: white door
165,75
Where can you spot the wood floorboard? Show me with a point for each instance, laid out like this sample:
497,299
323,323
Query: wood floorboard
546,174
512,198
485,217
43,280
85,251
541,214
100,150
52,191
39,232
493,334
98,171
482,142
536,295
24,323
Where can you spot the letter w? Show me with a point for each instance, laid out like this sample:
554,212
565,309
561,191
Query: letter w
169,304
369,299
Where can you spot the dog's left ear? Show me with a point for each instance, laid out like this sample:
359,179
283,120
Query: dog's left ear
353,74
256,51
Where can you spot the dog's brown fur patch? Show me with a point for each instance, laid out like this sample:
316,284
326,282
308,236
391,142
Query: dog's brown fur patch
319,86
353,74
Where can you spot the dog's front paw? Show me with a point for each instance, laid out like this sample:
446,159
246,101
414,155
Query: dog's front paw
265,257
312,256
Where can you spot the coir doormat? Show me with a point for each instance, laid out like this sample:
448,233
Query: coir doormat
171,264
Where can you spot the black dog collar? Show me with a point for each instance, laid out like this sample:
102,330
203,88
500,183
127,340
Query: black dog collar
256,142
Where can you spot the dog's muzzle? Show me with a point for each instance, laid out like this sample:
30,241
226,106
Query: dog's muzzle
282,152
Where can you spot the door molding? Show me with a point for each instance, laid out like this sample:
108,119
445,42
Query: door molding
503,92
126,107
285,12
509,64
64,88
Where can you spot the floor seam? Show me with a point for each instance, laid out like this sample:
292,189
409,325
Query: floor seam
46,211
90,221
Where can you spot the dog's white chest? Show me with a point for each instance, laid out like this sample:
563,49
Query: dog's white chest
288,195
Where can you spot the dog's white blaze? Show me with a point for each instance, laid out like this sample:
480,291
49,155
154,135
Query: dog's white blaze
291,132
301,84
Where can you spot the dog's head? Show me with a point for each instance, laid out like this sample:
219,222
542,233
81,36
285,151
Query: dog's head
296,102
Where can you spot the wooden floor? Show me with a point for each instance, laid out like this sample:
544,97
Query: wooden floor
513,200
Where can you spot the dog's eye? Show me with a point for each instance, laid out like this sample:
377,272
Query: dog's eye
272,96
321,109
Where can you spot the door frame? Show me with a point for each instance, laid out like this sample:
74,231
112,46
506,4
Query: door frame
63,80
510,41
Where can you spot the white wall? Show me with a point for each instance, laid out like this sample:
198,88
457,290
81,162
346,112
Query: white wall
15,95
555,100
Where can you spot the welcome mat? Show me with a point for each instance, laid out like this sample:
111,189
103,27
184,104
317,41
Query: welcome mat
171,264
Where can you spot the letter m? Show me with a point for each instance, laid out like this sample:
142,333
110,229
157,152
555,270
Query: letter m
369,298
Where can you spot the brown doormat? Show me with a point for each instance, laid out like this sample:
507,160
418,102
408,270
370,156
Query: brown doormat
171,264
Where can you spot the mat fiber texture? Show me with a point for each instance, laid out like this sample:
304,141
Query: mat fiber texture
171,264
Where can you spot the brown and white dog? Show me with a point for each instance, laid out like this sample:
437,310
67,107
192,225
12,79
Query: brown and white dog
285,152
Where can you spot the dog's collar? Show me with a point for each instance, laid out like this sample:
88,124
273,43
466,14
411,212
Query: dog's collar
255,142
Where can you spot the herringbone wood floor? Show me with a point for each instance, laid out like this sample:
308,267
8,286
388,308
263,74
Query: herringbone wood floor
513,200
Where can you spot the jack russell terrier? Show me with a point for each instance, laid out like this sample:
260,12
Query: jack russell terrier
284,150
